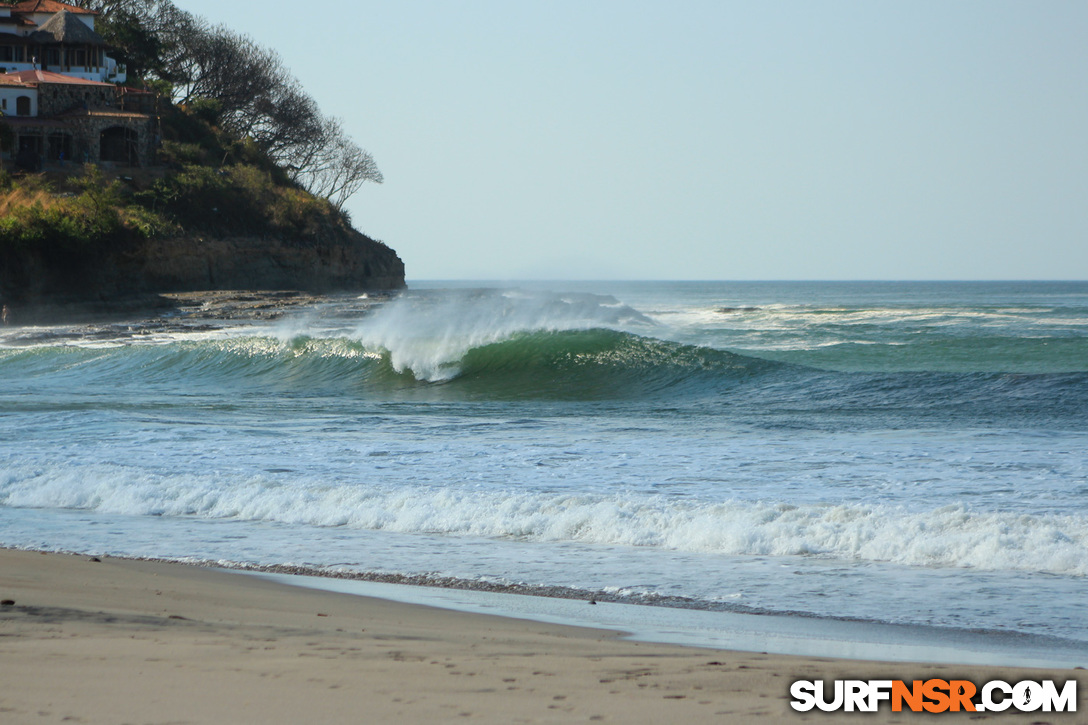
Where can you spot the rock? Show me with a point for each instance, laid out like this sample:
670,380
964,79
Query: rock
337,259
342,262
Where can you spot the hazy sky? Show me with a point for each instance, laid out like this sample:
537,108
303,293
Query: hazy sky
706,140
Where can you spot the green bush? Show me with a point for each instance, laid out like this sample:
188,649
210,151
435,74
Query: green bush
207,110
68,229
148,224
177,153
241,199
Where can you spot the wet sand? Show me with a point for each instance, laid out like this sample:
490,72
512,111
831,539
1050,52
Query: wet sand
122,641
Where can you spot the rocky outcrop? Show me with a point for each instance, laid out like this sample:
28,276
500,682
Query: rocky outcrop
338,260
351,262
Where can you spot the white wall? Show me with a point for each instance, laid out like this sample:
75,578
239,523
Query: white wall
8,94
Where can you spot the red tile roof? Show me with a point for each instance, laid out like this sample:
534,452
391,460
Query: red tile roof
45,76
48,6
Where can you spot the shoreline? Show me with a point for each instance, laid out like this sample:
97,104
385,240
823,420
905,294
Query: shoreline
788,634
98,639
669,620
730,627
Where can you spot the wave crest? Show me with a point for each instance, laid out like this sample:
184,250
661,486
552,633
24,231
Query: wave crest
950,536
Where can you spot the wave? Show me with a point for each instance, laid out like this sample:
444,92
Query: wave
948,536
602,363
926,352
510,345
590,363
571,365
430,335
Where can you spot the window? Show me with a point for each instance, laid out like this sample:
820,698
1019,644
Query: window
22,106
7,54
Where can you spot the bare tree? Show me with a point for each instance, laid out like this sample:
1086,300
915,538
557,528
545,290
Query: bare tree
335,167
154,16
215,62
283,120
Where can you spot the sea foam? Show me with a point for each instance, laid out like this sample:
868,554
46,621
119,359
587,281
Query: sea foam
947,536
429,336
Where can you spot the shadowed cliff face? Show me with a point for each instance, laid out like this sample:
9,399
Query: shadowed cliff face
351,262
338,259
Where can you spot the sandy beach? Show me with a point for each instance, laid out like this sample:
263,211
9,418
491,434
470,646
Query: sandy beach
126,641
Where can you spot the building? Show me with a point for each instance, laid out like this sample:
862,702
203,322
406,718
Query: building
60,93
50,35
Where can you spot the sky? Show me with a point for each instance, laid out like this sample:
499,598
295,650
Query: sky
705,140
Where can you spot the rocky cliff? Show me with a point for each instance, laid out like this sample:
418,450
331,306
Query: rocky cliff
346,262
337,259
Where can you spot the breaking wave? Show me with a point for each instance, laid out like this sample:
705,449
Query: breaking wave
510,346
948,536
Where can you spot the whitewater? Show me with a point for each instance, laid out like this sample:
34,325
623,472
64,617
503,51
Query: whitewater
900,453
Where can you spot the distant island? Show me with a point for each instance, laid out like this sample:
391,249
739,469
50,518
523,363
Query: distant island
146,151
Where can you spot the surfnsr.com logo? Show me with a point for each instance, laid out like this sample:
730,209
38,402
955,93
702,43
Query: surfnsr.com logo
934,696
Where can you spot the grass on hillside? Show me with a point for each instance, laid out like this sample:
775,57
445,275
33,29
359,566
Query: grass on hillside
206,183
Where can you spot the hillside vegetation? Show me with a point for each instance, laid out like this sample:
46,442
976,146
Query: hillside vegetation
65,230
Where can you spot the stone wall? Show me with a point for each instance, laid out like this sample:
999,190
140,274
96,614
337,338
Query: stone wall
91,129
84,123
80,136
57,98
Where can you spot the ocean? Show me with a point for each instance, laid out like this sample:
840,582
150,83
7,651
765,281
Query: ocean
910,454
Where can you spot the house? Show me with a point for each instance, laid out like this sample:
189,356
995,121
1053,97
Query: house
60,94
50,35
